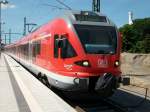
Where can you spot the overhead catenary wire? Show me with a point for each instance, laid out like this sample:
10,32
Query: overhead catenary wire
65,5
57,7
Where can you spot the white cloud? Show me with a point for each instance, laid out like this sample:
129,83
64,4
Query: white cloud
8,6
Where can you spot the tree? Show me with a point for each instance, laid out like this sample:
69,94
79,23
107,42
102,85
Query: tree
136,37
146,43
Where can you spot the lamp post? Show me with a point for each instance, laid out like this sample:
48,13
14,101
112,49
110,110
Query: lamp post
1,2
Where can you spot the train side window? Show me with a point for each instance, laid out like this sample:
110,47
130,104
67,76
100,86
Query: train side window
70,52
67,49
26,46
56,45
36,48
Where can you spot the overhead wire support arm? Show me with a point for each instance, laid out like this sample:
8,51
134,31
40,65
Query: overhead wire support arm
10,33
30,24
28,27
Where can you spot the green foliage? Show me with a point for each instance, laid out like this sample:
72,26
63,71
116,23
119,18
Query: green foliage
136,37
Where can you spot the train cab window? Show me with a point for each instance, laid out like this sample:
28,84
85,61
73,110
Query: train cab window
97,39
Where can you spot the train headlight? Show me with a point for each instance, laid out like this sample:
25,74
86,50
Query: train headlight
84,63
117,63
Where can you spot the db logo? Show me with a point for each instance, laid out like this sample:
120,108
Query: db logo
102,63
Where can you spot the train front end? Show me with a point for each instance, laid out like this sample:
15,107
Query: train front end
101,45
94,50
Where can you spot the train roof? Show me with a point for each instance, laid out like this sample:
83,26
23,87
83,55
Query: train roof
86,17
72,17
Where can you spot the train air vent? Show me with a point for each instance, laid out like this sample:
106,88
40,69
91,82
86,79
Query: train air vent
90,16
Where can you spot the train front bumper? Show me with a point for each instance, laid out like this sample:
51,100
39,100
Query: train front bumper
90,84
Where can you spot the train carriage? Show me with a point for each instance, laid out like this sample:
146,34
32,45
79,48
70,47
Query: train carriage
79,51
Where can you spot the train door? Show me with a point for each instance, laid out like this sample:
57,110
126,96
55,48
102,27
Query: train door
56,49
60,49
56,62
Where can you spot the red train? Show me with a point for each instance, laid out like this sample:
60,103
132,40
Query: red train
79,51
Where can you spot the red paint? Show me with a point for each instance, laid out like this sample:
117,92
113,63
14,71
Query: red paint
46,57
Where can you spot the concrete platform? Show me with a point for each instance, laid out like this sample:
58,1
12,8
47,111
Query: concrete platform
33,95
11,98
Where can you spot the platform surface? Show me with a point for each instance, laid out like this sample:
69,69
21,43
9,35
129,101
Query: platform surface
22,92
11,98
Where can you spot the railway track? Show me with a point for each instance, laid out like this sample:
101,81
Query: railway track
103,105
88,104
93,104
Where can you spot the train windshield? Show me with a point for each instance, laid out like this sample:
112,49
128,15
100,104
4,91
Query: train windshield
97,39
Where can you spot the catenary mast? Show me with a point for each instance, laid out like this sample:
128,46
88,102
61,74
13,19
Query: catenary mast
96,5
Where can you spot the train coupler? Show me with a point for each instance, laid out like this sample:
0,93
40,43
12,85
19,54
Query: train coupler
106,85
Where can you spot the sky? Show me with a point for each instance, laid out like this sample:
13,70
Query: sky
38,12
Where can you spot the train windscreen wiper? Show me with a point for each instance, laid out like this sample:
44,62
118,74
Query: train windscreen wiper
101,52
